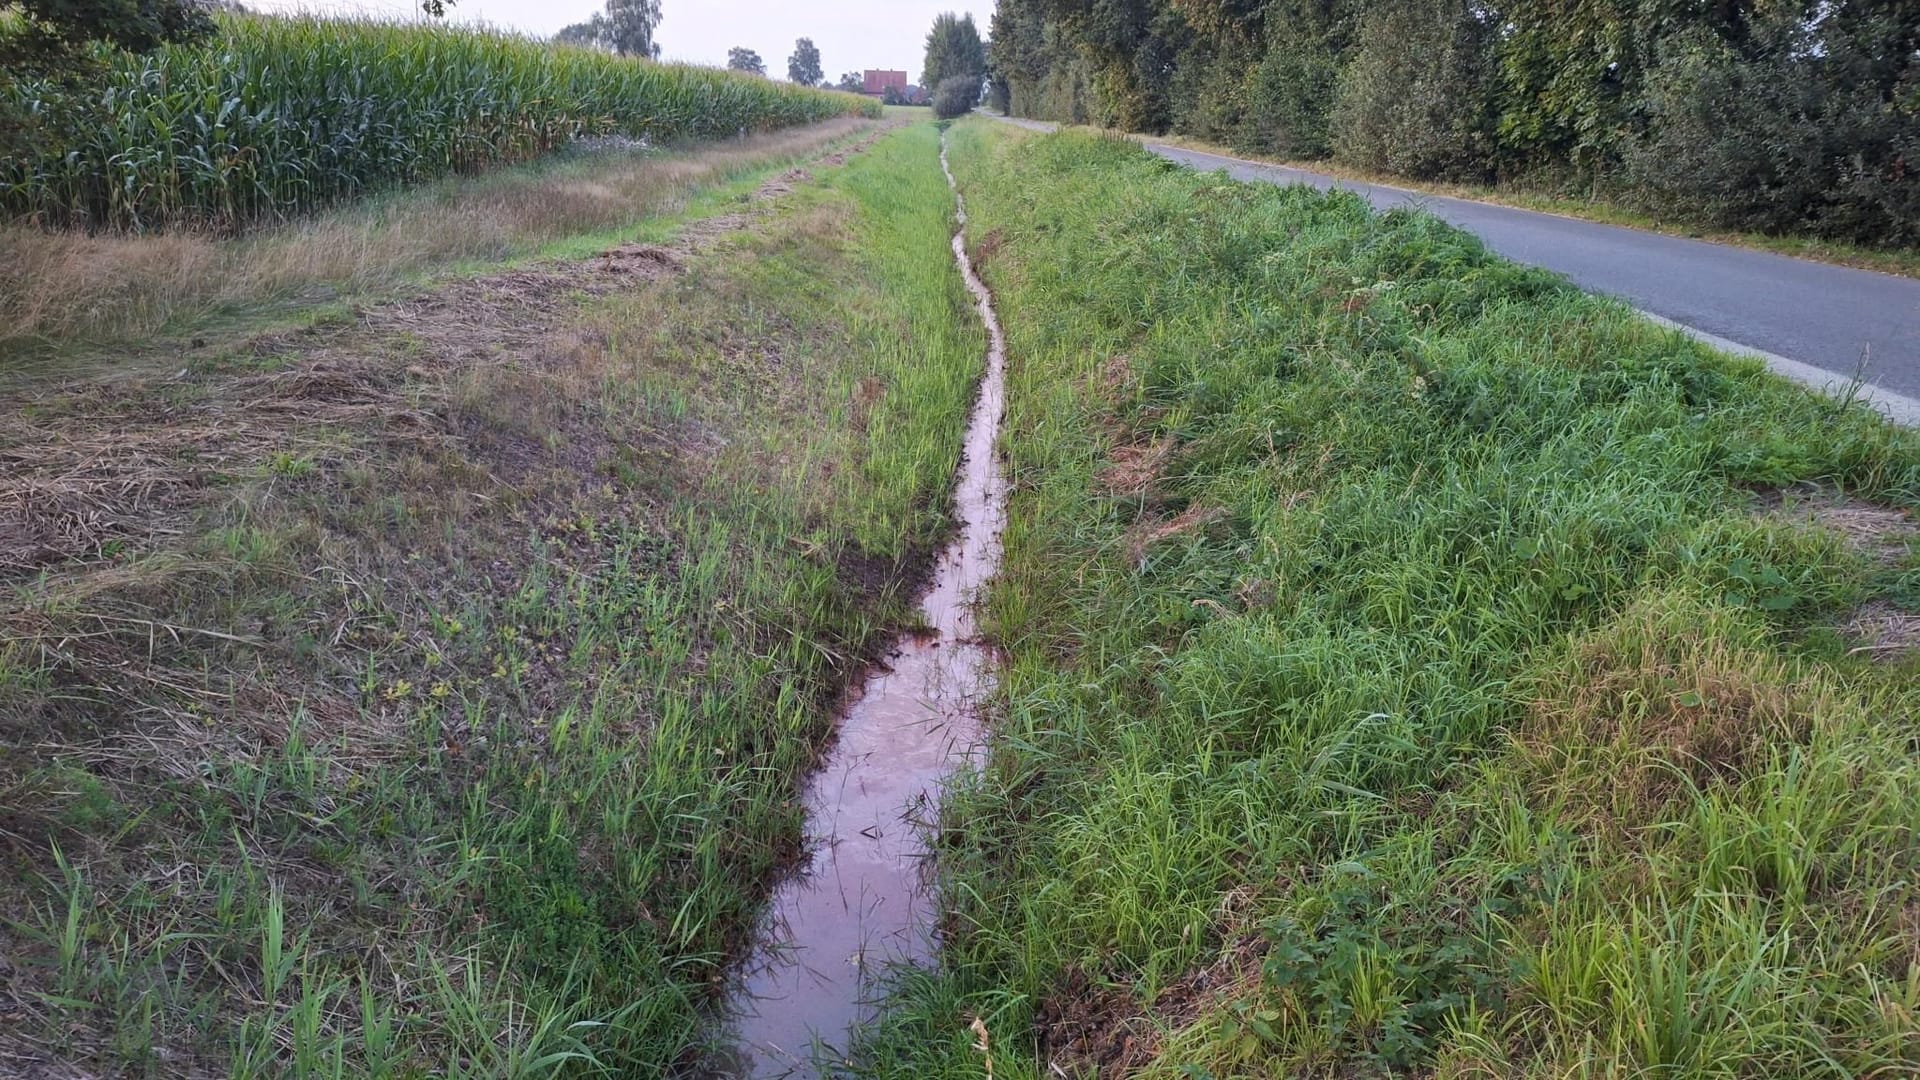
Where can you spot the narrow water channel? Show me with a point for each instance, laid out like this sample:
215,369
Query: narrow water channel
860,901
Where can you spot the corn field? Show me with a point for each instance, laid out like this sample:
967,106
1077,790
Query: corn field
275,116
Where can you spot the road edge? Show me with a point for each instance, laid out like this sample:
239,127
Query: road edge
1896,407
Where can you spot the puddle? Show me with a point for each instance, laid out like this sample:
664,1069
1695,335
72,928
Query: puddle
860,902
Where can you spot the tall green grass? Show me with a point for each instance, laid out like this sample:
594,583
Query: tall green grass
1406,673
279,115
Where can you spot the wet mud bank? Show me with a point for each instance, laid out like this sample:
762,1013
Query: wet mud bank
859,902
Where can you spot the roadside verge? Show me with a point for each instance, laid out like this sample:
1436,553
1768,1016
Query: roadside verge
1413,665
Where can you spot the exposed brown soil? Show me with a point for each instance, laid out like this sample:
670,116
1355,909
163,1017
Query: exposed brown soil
986,248
1090,1030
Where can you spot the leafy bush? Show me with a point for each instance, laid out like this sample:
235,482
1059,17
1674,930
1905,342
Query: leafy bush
1782,142
1797,117
955,96
1287,96
1415,100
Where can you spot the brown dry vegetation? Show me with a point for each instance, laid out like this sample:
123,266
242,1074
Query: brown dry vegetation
1881,533
1085,1029
61,288
1658,704
372,474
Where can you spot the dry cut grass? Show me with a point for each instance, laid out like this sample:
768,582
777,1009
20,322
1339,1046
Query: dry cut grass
1661,703
59,287
427,687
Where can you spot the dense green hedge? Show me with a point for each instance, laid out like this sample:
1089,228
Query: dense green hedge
274,116
1800,118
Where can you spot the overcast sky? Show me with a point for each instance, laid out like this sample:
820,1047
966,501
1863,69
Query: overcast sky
853,35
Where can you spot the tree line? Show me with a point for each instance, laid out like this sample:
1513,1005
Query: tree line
1784,116
627,27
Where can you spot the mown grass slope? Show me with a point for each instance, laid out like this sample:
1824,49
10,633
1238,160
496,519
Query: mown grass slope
425,694
1413,665
125,295
276,116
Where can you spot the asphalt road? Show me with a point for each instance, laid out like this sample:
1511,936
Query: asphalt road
1814,322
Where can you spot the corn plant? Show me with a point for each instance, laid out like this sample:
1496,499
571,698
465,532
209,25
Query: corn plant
276,116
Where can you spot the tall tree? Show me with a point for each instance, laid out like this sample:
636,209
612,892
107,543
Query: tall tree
625,27
53,37
630,26
803,66
593,33
852,82
65,42
954,50
741,58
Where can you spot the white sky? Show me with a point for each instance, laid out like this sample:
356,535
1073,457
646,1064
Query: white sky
852,35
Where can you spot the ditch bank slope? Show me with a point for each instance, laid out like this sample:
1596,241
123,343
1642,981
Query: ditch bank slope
1413,664
429,691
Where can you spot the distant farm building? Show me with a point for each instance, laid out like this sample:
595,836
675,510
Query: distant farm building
879,82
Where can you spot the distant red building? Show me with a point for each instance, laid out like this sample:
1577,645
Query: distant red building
879,82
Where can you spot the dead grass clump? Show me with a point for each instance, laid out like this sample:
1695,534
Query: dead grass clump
639,260
784,183
1880,533
1883,631
1671,695
1114,380
1154,530
59,286
1086,1029
1134,468
867,394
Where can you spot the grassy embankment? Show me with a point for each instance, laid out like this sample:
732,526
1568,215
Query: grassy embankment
1903,262
1414,665
425,692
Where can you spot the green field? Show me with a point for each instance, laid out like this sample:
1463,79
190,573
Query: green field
1413,666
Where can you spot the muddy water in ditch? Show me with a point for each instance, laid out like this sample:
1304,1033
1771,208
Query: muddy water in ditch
860,902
